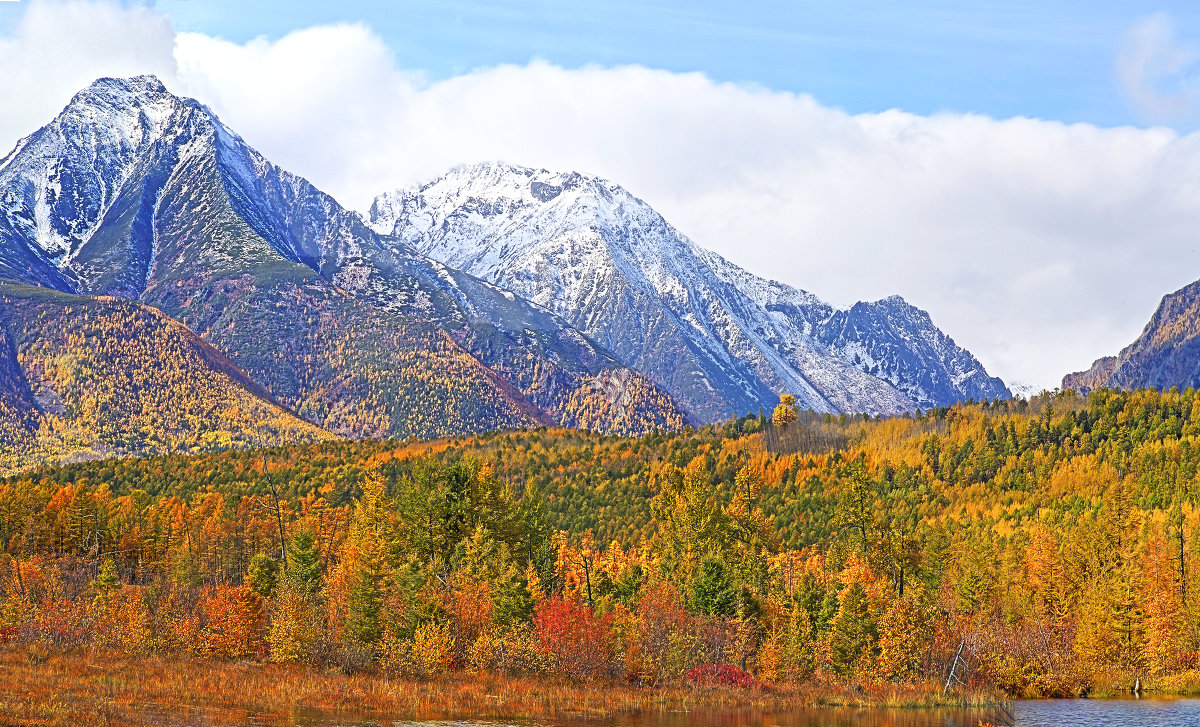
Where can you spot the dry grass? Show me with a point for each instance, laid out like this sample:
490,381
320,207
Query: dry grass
86,688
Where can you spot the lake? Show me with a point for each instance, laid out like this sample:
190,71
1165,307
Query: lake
1107,712
1041,713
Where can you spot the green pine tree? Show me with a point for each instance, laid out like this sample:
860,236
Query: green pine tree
106,580
713,592
366,602
263,574
511,601
853,634
305,571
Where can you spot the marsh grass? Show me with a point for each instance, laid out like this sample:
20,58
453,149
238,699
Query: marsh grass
83,687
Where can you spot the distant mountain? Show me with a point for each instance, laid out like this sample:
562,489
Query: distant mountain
86,377
136,193
1165,355
718,338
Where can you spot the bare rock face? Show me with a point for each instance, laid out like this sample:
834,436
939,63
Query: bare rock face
1165,355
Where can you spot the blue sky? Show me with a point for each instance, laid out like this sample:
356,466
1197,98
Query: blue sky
1045,59
1050,60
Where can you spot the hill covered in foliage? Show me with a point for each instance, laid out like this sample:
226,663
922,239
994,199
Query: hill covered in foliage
85,377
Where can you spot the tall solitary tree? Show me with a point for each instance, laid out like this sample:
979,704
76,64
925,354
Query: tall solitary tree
787,411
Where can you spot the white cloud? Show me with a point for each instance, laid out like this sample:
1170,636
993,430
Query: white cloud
1156,68
58,48
1037,245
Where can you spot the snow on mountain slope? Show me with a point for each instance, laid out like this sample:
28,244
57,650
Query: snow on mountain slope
137,193
720,339
60,183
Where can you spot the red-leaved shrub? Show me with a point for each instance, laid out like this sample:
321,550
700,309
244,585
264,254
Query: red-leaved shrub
722,675
575,640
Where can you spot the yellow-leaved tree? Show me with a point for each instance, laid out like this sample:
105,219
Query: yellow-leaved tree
786,412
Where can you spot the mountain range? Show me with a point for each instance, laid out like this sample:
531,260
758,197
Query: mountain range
135,193
135,226
721,340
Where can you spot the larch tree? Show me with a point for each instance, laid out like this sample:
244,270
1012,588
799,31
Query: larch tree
786,412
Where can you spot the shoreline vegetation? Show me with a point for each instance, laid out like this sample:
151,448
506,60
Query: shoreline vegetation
83,687
1019,549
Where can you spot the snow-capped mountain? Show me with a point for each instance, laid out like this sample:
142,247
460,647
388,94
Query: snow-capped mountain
134,192
720,339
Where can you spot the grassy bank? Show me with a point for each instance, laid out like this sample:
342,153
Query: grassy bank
89,688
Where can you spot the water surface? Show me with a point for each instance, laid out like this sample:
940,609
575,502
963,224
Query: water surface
818,717
1107,713
1041,713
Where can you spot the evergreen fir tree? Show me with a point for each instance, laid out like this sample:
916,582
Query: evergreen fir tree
713,592
853,634
366,603
263,574
305,571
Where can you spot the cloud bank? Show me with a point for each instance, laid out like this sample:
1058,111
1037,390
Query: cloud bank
1037,245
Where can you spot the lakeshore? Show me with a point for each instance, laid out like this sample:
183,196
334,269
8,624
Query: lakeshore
87,688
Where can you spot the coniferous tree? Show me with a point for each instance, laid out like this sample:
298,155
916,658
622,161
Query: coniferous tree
305,571
263,574
853,633
856,502
787,411
106,580
366,602
713,592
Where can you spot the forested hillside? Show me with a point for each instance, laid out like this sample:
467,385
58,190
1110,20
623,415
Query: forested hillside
1053,540
82,378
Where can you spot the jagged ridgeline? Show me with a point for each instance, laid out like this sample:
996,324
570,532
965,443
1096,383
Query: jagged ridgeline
1165,355
135,193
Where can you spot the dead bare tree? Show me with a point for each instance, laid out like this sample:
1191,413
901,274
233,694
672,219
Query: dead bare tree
278,510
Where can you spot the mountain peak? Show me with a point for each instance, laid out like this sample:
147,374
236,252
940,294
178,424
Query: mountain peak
146,83
100,160
491,204
719,338
502,180
124,94
118,113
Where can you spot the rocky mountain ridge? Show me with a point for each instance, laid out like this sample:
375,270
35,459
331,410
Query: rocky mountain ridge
720,339
1165,355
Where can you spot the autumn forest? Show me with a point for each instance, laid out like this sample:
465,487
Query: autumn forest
1026,548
